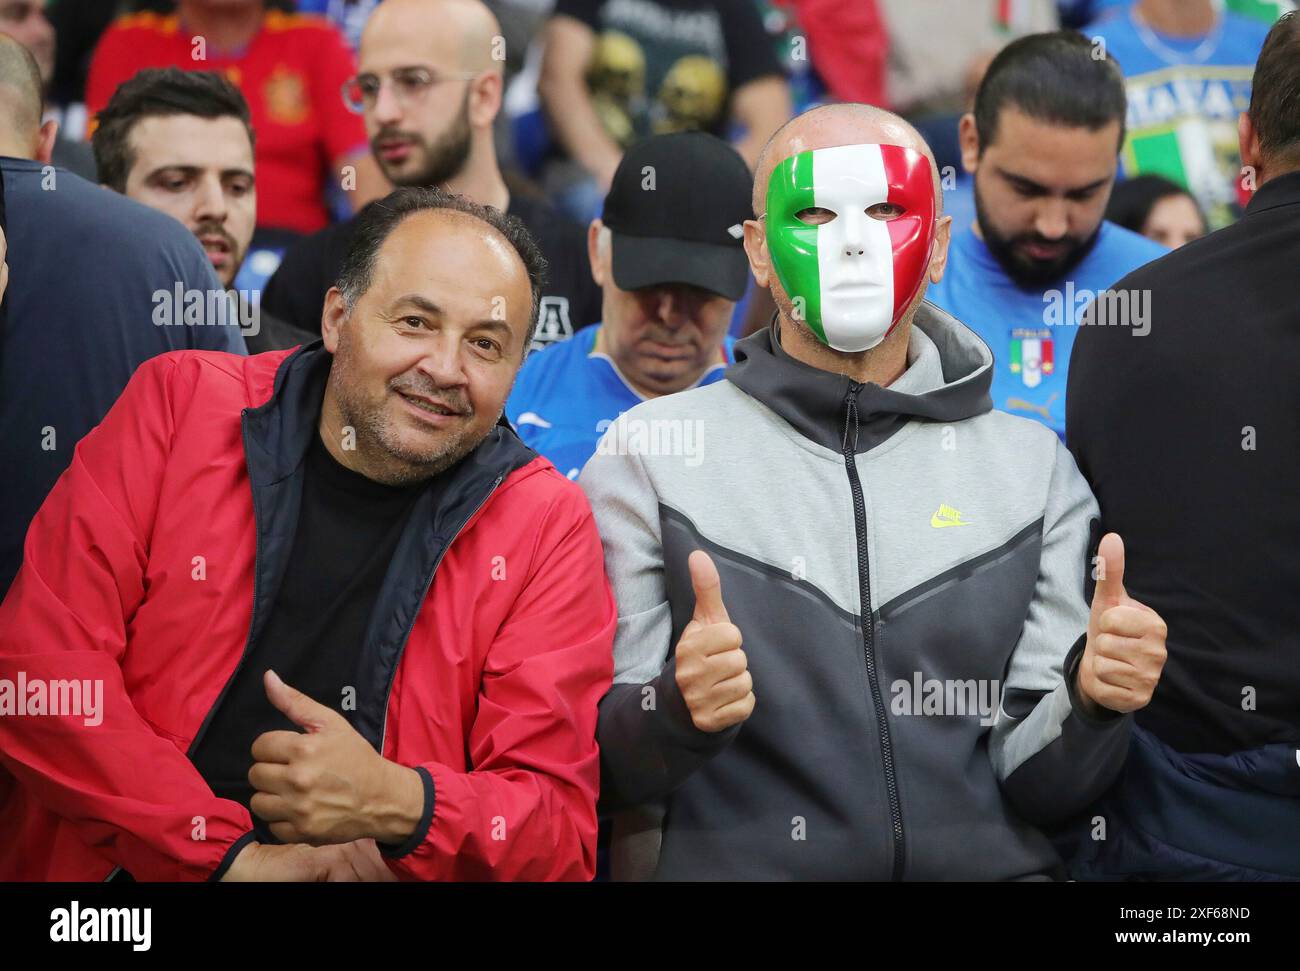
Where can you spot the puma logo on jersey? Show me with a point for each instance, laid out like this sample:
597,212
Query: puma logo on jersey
1045,409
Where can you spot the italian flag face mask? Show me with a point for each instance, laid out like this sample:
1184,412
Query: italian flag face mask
852,277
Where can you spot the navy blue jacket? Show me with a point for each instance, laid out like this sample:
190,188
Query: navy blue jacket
84,265
1193,817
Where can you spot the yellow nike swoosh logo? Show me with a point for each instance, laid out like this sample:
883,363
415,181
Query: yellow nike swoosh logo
938,523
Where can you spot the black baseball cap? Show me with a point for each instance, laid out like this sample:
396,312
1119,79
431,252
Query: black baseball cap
675,211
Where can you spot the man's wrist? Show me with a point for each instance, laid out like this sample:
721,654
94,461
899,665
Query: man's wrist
240,860
1090,707
398,804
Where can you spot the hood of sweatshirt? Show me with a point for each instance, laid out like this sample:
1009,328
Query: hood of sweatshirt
949,371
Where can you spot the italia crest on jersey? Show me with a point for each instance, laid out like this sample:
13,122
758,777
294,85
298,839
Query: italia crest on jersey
1031,356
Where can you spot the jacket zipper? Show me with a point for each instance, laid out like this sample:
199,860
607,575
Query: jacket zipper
869,627
406,635
252,622
252,626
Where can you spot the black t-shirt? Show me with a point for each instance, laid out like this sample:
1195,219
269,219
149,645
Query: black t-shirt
671,65
570,297
348,528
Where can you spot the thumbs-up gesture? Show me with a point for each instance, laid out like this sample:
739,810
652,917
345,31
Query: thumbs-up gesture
712,671
327,784
1125,652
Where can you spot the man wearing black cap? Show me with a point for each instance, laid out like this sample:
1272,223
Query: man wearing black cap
669,257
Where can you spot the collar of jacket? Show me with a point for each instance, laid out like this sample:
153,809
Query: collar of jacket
276,437
1281,190
949,371
273,334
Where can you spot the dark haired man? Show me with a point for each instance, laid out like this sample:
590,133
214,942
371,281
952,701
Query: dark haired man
290,67
1041,145
1189,437
354,521
429,90
182,142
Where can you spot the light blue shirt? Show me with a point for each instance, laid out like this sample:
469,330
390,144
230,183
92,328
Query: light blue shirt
1031,332
567,394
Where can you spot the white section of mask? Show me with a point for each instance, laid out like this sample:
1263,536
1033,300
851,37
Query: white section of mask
855,255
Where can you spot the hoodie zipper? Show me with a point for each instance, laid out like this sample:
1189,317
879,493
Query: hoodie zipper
869,627
406,635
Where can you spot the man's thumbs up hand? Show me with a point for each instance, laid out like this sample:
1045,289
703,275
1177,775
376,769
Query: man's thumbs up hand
1125,652
309,715
327,784
712,671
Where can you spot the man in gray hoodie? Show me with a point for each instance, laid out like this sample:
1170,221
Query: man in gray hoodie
898,572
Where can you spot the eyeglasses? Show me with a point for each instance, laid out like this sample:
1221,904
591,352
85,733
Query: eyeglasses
410,85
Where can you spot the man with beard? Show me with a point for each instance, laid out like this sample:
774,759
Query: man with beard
324,592
182,142
290,68
1042,145
430,87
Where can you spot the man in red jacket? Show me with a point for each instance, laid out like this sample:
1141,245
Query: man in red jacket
317,614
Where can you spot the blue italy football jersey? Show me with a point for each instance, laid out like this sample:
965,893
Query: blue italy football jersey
1184,98
1031,332
567,394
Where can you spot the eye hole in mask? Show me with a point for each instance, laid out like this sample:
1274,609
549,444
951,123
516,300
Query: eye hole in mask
819,216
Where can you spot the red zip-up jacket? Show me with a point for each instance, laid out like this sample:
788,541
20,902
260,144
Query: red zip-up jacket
141,572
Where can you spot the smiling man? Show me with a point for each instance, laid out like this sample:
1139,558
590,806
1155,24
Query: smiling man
181,142
333,598
1042,145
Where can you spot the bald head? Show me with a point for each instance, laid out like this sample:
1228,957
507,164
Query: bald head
20,91
830,126
454,35
834,312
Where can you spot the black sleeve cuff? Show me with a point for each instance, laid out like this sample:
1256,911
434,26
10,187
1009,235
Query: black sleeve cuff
391,852
235,849
678,727
1072,661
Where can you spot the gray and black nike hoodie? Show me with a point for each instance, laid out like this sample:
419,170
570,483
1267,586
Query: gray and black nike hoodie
907,568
